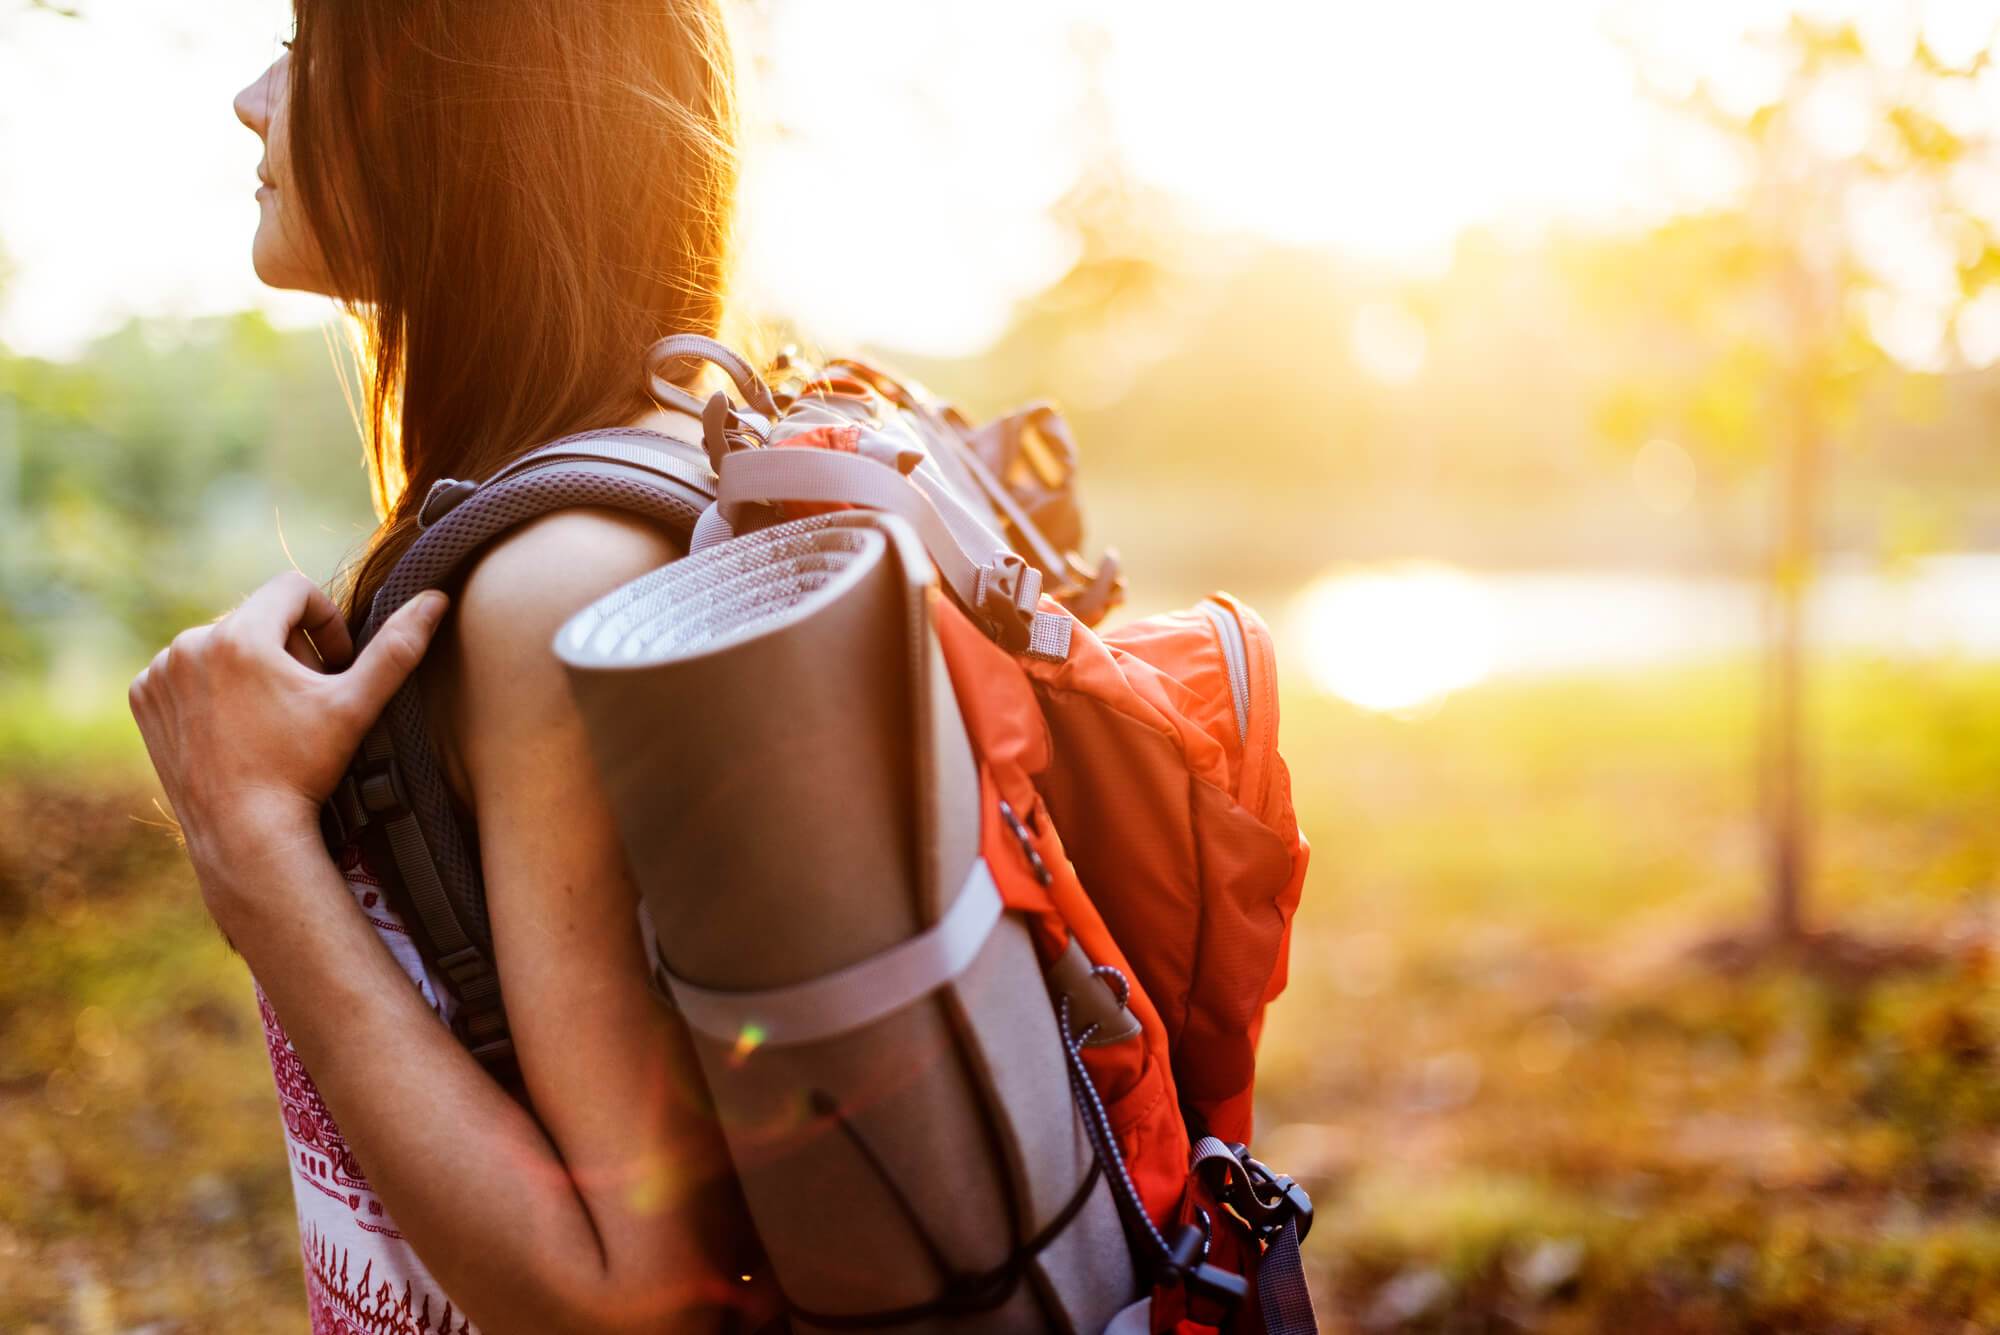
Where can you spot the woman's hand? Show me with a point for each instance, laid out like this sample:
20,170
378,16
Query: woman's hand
251,720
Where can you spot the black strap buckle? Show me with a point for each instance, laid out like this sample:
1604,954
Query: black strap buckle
1219,1292
463,966
371,791
1266,1200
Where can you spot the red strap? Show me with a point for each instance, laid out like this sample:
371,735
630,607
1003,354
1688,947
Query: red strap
846,439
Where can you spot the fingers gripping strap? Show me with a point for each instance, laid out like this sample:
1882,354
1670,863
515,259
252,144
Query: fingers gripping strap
858,995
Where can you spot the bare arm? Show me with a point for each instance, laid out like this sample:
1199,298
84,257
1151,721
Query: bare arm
607,1209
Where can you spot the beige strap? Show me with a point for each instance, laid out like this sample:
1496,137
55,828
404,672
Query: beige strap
997,585
850,998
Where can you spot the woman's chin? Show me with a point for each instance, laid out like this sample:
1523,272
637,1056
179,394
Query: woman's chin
278,269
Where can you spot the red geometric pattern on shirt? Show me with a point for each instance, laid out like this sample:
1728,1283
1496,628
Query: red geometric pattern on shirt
362,879
319,1151
323,1152
339,1303
363,1305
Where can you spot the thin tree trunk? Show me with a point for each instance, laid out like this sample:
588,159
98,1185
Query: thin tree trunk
1786,767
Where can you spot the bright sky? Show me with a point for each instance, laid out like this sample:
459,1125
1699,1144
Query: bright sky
1379,129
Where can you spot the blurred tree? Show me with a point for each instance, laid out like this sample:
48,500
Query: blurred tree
166,471
1854,251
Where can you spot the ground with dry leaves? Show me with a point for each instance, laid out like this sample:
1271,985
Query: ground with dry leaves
1528,1092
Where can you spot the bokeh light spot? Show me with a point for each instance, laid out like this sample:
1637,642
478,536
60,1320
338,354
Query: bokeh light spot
1397,638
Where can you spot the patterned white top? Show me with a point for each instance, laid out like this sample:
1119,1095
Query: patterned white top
362,1278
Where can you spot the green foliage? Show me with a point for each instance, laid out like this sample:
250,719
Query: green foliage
141,487
1761,308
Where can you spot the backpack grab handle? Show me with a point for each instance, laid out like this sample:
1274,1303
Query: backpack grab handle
698,347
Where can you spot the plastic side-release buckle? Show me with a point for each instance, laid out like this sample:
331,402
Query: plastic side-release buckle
485,1033
1267,1200
463,966
370,791
1006,595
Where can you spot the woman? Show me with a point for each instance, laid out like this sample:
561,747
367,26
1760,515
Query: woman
515,200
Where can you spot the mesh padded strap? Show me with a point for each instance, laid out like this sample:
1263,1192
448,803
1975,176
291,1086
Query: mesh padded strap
685,467
436,868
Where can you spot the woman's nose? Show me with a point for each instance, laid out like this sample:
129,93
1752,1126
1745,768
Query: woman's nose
253,104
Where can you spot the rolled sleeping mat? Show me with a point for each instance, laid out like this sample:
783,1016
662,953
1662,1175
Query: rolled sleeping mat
774,726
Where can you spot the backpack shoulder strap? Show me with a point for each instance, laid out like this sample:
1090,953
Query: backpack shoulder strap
394,799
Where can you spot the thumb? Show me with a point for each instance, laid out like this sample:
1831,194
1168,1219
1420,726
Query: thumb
393,654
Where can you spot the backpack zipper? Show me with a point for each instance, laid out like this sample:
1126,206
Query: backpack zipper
1236,657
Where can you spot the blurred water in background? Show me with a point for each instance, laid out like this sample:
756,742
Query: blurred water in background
1399,637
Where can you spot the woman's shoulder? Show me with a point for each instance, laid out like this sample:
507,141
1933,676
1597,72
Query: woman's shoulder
493,672
536,577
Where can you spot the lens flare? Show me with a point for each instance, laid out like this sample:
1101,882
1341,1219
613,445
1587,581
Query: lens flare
747,1041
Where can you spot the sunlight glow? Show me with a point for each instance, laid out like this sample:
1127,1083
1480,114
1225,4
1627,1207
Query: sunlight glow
1396,638
1664,474
1383,131
1389,343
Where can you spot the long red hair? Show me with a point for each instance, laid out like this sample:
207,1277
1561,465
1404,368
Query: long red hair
518,197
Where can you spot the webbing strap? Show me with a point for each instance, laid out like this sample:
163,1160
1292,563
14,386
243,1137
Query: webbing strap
850,998
1000,587
1282,1294
471,976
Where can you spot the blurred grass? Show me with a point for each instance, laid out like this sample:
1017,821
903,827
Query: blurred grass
146,1183
1520,1102
1524,1103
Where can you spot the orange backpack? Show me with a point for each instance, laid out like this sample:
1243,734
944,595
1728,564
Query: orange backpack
1136,803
